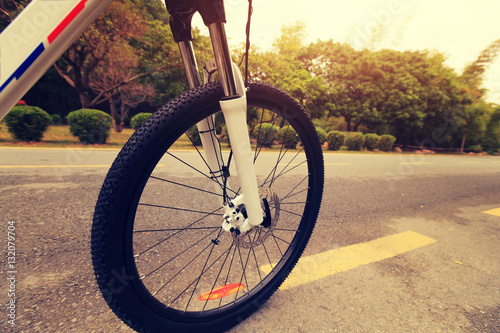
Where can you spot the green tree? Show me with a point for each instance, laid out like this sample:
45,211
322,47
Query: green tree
116,80
473,74
121,22
351,79
472,112
436,96
282,67
491,139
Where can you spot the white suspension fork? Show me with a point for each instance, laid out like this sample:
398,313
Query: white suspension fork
235,115
243,212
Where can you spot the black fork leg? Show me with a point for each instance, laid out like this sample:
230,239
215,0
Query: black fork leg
213,15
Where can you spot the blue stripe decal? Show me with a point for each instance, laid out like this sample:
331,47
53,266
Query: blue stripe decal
24,66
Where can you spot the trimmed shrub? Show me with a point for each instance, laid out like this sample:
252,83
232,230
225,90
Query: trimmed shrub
355,141
372,141
289,137
90,126
266,134
335,140
139,119
194,135
56,119
321,135
27,123
386,142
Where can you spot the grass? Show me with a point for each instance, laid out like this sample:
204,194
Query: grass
61,137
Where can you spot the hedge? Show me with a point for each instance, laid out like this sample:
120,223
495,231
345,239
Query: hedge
355,141
139,119
90,126
266,134
56,119
372,141
27,123
289,137
321,135
194,135
335,139
386,142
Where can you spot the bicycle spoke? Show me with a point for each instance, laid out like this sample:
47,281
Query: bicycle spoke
283,172
177,208
289,212
289,194
265,139
255,258
174,229
243,268
202,270
180,230
267,255
201,155
294,194
229,268
279,155
165,263
284,229
218,275
284,241
214,179
186,186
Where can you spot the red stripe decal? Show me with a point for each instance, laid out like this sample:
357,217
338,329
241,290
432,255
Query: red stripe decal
67,20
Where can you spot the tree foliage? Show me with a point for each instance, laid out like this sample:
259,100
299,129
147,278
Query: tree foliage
128,56
411,94
122,23
116,80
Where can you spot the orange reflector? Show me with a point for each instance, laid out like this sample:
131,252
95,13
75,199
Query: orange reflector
220,292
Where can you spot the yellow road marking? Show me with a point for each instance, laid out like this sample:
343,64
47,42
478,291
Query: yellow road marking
338,163
306,164
495,212
416,163
63,148
52,166
469,163
321,265
58,166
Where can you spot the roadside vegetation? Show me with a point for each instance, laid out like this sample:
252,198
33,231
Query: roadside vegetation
127,64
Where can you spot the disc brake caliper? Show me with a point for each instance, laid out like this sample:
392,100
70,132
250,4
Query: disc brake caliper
234,214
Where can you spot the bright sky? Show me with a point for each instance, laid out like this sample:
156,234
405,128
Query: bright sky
461,29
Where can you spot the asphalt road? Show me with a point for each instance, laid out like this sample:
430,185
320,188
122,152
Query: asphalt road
449,285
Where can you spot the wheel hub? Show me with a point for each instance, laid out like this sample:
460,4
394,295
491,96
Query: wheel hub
235,215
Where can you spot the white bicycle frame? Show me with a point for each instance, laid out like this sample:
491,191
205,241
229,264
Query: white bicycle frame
46,28
36,39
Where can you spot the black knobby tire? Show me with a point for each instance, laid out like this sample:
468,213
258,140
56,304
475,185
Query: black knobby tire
157,241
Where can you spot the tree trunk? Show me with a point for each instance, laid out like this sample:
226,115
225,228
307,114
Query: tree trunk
356,126
348,122
84,99
116,124
463,143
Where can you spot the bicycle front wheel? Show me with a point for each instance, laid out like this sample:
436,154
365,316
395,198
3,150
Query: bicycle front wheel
161,257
